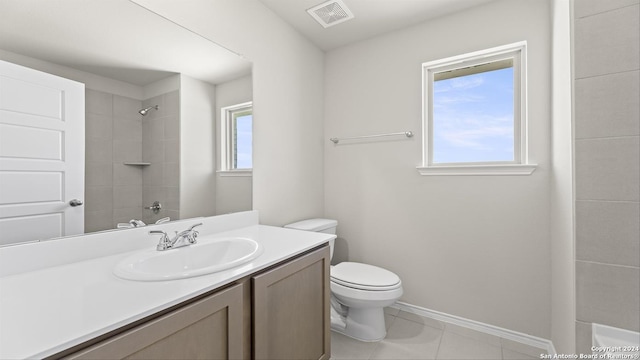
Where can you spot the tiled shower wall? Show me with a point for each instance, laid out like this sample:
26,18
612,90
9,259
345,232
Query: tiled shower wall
607,165
116,134
113,191
161,148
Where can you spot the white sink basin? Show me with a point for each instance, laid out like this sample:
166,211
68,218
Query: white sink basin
188,261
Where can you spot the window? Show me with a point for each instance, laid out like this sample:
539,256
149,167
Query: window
474,114
236,139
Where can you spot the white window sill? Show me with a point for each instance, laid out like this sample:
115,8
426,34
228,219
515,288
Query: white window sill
236,173
475,170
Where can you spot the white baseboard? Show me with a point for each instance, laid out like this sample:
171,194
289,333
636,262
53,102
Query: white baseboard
478,326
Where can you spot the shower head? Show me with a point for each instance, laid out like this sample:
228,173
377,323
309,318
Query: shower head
144,112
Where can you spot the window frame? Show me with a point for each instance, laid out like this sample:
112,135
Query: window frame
520,165
227,116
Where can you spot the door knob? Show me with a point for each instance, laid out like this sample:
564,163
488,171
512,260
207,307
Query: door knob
76,202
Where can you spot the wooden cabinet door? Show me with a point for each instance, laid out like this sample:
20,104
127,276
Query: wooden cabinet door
210,328
291,309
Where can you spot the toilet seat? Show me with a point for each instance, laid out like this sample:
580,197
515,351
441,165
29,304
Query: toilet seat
364,277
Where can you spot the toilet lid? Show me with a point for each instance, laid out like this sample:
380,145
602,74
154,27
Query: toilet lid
363,276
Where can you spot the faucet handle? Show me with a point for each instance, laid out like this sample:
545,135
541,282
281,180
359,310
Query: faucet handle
164,240
194,226
137,223
193,234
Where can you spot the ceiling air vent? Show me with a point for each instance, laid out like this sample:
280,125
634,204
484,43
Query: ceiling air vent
330,13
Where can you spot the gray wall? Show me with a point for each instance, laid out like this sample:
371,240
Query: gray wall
113,191
161,147
116,133
607,160
472,246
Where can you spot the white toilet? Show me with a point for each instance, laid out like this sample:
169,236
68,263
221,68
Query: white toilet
359,292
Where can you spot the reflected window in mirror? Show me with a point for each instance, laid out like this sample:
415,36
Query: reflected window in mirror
237,139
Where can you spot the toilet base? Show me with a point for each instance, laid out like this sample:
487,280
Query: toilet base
364,324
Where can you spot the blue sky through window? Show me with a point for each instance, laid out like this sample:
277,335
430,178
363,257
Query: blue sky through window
244,142
473,118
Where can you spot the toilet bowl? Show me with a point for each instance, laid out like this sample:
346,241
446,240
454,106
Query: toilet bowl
359,292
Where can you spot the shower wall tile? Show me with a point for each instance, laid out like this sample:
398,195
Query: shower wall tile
172,151
608,294
153,193
126,108
126,175
608,105
98,126
127,129
172,194
98,221
127,196
113,136
608,42
172,127
127,151
607,157
149,217
124,215
99,174
153,151
98,150
98,198
98,102
172,103
583,338
161,178
173,214
171,174
608,169
152,129
152,174
608,232
584,8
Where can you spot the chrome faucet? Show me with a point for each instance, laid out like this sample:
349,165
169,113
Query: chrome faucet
188,237
136,223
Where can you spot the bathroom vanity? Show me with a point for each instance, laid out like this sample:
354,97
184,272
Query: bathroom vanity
276,306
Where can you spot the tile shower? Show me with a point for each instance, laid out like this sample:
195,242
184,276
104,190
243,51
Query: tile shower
116,133
607,159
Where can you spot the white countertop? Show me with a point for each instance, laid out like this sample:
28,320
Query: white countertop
45,311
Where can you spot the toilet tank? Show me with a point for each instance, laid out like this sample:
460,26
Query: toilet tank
326,226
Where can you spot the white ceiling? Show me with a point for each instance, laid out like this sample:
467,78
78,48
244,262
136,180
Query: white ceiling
116,38
372,17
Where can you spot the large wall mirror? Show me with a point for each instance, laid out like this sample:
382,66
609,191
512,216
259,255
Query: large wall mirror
155,99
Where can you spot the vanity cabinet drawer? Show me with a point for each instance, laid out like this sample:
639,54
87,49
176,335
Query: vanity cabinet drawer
291,315
210,328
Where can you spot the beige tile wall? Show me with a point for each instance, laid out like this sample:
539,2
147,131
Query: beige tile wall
116,133
607,165
161,147
113,191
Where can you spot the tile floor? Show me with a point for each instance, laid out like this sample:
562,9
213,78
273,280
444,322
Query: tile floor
410,336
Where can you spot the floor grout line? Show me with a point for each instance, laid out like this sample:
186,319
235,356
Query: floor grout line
442,331
440,342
